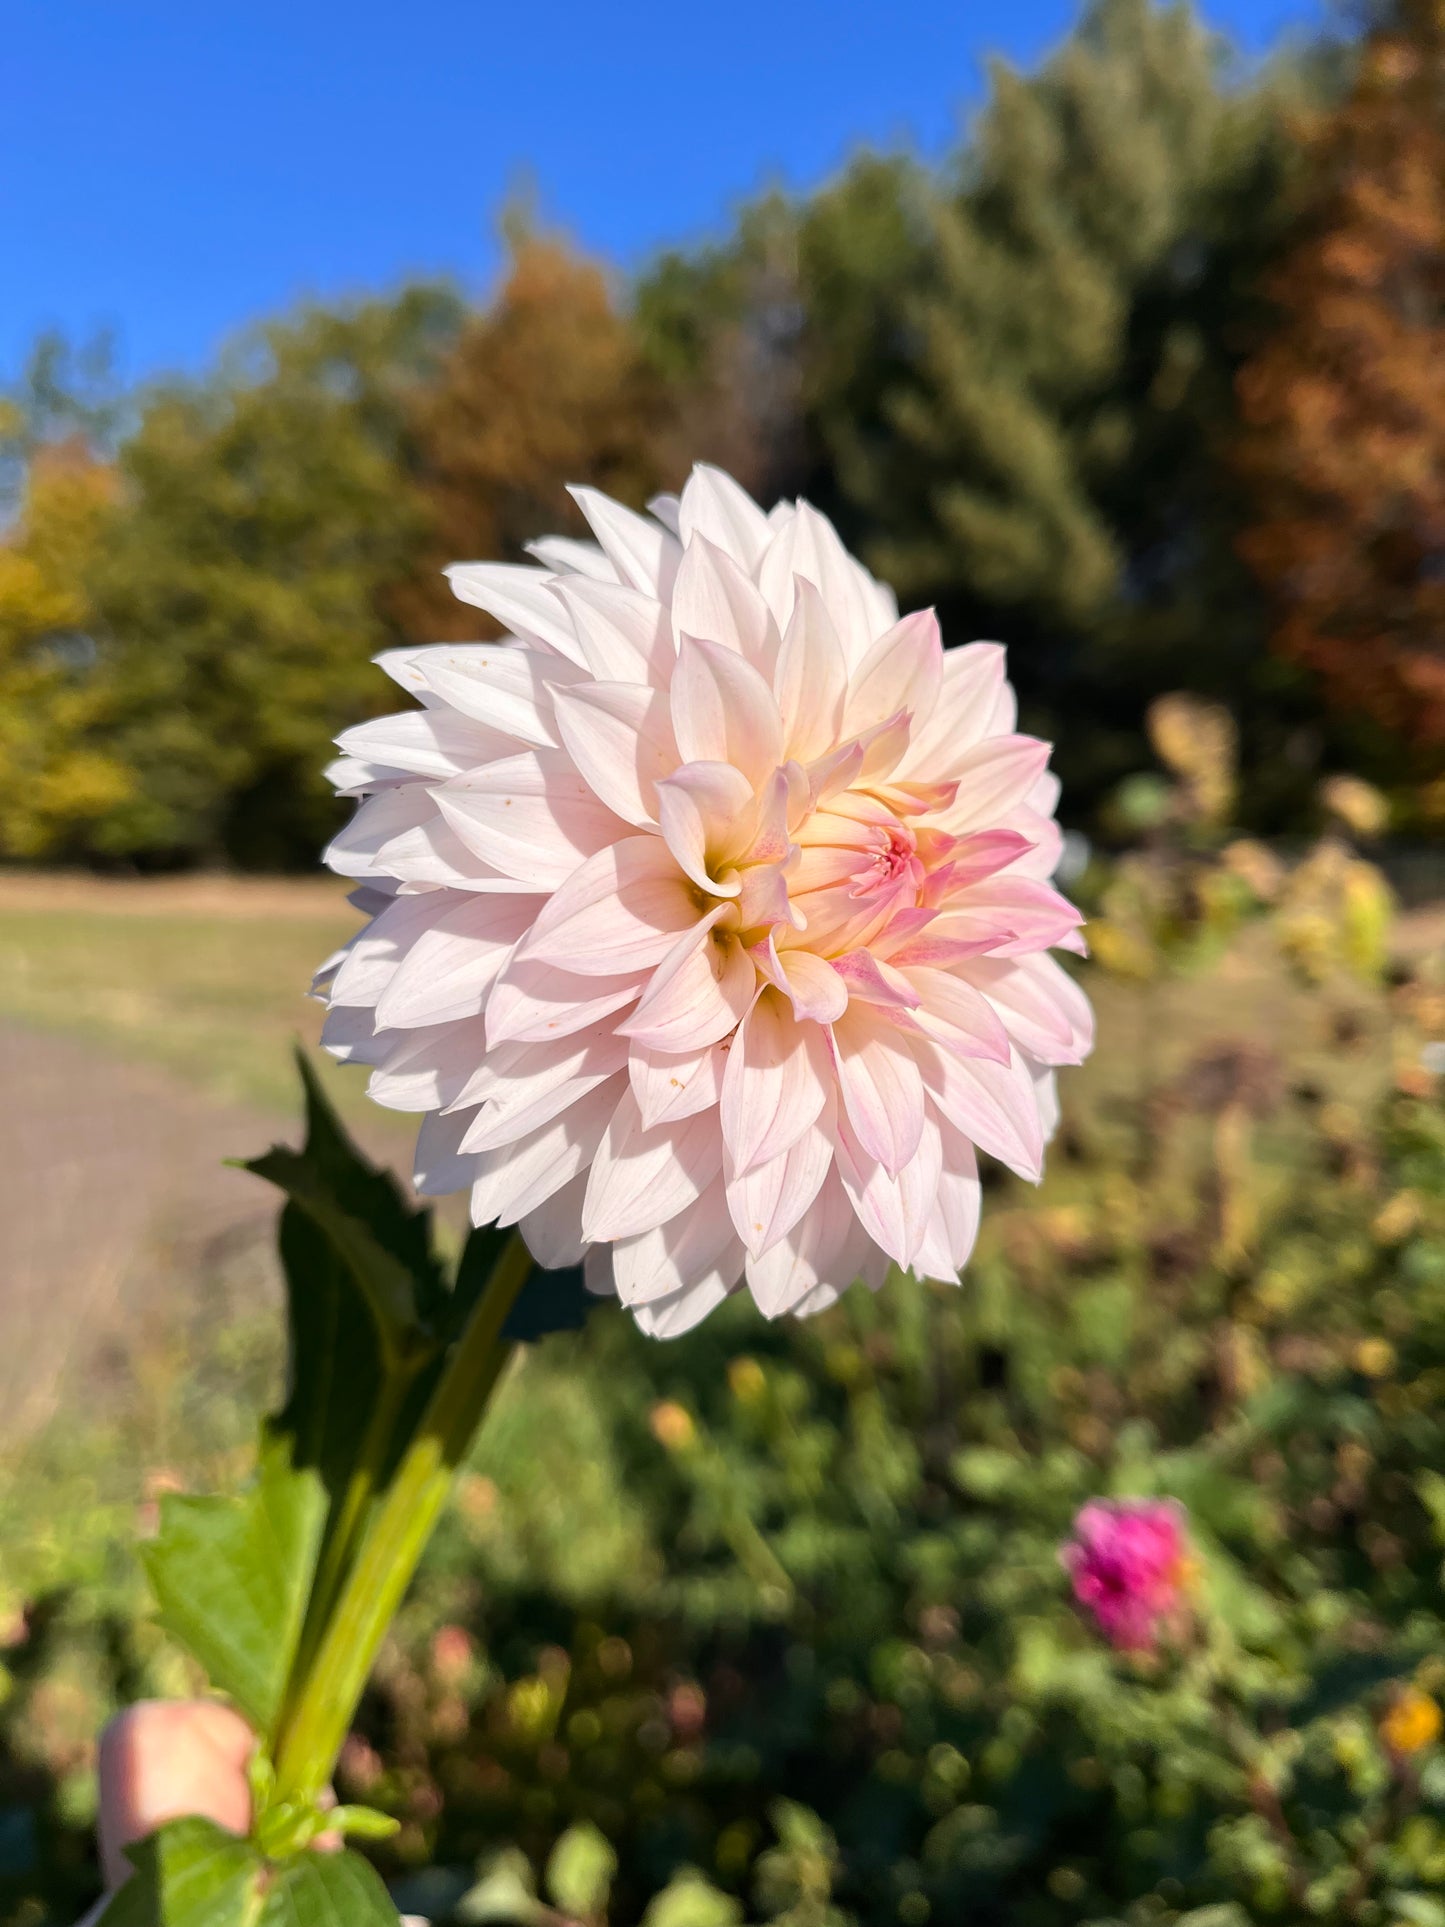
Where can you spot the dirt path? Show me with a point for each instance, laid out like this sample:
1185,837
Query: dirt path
112,1196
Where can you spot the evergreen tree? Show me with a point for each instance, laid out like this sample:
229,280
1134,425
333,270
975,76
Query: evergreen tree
1055,472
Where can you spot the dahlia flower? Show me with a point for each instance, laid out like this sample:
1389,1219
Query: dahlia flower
709,913
1130,1565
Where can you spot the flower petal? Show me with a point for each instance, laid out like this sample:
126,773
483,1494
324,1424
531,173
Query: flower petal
811,677
768,1200
903,669
714,600
697,994
520,598
713,505
449,971
684,1252
621,911
993,1104
880,1083
531,816
672,1085
723,711
620,737
643,553
642,1178
775,1083
515,1180
509,689
622,635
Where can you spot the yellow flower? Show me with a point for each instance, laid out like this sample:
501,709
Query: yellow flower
1412,1723
672,1425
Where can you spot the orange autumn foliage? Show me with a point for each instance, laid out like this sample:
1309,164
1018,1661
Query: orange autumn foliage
544,387
1344,406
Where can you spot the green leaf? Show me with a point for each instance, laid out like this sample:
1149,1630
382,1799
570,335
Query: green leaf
193,1873
688,1900
580,1870
382,1242
232,1577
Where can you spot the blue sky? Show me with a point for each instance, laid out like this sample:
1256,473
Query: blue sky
173,170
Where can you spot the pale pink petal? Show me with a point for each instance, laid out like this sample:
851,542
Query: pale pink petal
621,911
697,807
641,1178
427,1069
903,669
971,679
811,677
992,779
520,598
449,971
994,1104
893,1208
440,1168
774,1085
713,505
957,1015
671,1317
767,1201
351,1037
697,993
620,737
665,508
515,1180
622,635
812,984
532,1002
1023,913
426,742
362,971
880,1083
644,554
671,1085
544,1080
714,600
1043,1010
684,1252
553,1232
807,545
952,1227
532,816
507,688
566,556
723,711
811,1267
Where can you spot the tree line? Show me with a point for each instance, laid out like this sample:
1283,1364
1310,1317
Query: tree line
1143,379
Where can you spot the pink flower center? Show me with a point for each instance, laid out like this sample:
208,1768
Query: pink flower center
898,858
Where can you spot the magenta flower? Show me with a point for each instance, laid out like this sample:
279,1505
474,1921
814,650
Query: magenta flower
1130,1564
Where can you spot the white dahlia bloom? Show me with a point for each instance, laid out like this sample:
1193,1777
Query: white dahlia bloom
710,913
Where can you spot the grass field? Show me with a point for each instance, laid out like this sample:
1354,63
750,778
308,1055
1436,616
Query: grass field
207,978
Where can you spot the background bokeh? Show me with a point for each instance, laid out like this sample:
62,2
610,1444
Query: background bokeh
1130,353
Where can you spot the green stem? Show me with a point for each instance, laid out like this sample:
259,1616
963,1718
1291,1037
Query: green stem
351,1517
396,1535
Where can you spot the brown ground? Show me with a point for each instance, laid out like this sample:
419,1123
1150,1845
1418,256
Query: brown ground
111,1184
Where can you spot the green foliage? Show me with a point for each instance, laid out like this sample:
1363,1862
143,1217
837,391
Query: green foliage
232,1577
194,1874
243,593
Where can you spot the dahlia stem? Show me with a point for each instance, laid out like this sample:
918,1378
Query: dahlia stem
329,1691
